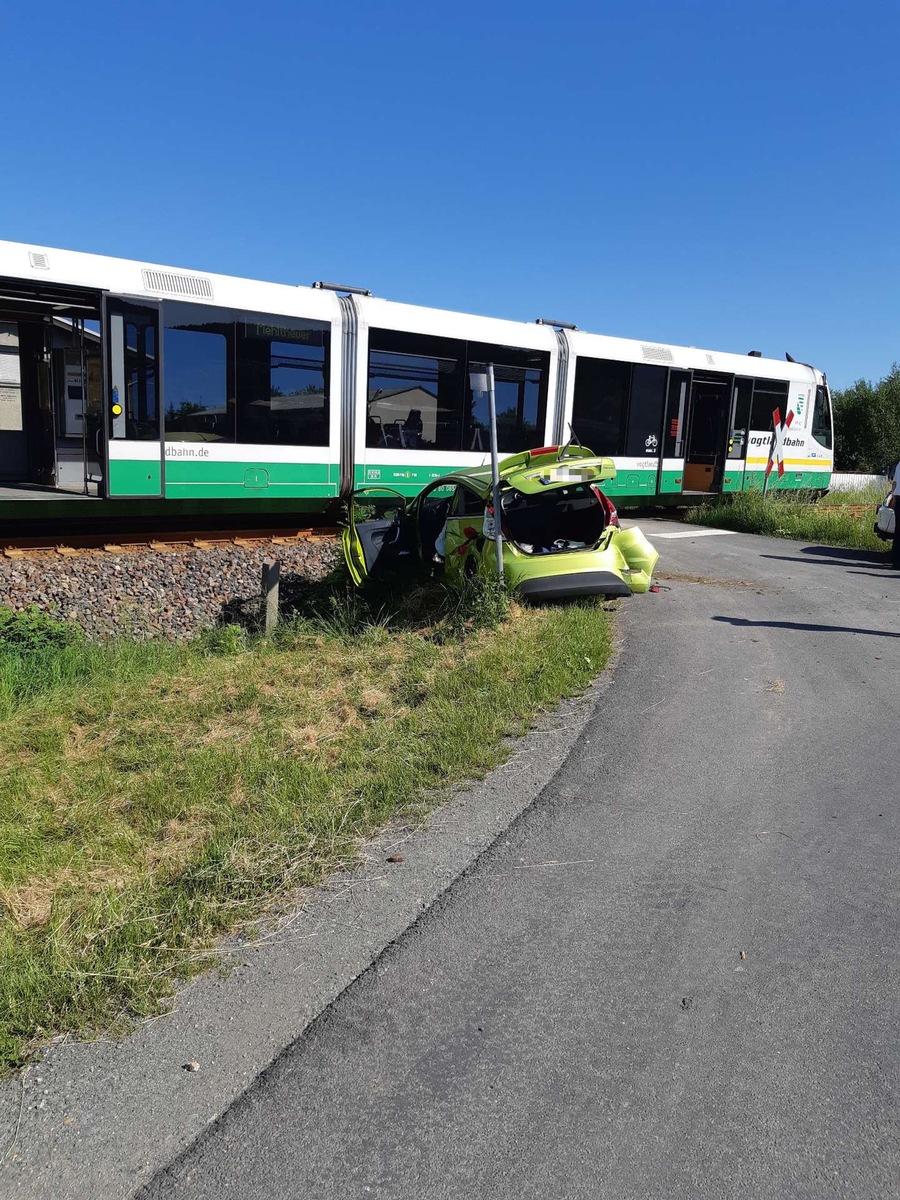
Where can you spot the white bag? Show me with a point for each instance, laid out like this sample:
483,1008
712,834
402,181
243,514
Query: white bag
884,520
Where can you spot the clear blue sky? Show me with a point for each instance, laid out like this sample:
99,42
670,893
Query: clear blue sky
715,174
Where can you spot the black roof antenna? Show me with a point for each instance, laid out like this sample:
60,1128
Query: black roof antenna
573,437
791,358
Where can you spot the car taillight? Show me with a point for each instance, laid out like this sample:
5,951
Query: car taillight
612,517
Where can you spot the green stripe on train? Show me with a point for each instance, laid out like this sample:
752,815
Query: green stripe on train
194,479
197,479
791,481
134,478
630,485
407,480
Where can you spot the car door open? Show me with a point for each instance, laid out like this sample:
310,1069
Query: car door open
378,534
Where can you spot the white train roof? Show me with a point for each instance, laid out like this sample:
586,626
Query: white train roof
156,281
693,358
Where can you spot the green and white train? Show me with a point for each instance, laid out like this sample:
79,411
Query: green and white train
141,388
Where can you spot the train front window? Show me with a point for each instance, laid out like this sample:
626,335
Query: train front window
821,422
768,394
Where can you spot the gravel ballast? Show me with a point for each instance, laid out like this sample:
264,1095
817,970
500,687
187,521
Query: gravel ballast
173,593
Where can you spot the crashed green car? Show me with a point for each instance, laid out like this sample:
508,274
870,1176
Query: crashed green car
561,533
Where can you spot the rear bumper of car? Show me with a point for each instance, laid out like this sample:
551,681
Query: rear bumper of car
578,583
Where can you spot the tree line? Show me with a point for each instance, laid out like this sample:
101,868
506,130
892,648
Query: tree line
867,424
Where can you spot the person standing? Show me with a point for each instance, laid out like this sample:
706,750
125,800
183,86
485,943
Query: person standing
894,503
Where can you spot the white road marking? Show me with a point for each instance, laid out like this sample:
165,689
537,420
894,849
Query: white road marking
692,533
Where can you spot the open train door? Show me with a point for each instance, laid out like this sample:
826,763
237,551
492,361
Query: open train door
706,438
670,478
134,398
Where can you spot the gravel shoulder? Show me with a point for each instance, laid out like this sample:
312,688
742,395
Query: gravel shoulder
174,593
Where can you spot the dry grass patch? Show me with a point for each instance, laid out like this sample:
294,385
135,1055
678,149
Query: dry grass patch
31,904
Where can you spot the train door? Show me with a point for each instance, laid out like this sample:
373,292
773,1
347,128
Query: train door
13,443
705,441
79,408
672,441
738,434
134,400
37,397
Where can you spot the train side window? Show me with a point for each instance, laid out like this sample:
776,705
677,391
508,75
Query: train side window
520,392
740,415
677,408
195,371
821,422
141,367
645,410
768,394
282,383
414,395
601,399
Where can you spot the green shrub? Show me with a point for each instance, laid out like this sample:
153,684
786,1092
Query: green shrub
867,424
35,632
223,639
477,603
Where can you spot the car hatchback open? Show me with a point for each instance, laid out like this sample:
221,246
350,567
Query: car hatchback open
561,533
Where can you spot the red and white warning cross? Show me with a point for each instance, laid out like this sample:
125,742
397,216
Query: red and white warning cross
776,451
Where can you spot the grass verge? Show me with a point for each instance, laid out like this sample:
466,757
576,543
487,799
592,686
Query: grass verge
152,797
777,516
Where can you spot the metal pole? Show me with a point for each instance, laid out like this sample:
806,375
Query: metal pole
495,470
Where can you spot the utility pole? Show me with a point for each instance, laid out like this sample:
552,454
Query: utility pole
482,382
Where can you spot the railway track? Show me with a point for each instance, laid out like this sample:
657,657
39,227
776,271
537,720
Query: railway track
161,542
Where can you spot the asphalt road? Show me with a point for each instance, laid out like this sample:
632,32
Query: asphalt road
676,975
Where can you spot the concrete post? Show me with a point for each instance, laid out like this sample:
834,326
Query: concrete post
271,571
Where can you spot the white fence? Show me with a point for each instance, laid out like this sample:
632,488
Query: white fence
847,481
